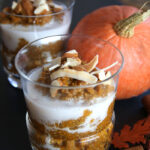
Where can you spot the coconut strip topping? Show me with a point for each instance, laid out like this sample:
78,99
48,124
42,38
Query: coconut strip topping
70,54
55,64
71,62
71,73
104,69
89,66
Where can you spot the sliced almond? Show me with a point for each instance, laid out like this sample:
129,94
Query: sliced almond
89,66
72,62
71,54
37,3
79,75
54,64
14,5
18,8
41,8
53,91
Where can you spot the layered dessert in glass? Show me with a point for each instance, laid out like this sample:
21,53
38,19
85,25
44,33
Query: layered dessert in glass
70,102
24,21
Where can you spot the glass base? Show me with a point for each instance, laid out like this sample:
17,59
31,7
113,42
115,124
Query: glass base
13,79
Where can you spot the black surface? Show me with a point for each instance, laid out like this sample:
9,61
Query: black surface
13,133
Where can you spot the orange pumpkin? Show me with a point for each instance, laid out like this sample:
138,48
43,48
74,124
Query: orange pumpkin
131,36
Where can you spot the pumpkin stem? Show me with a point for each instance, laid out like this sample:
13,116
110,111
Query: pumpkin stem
125,27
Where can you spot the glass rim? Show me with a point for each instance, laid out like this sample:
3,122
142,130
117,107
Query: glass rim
68,87
38,16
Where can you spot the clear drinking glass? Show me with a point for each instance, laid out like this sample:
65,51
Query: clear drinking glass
19,30
77,123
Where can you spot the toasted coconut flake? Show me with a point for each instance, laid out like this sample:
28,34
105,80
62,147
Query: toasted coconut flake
54,64
71,62
79,75
41,8
89,66
71,54
37,3
14,5
104,69
102,77
53,91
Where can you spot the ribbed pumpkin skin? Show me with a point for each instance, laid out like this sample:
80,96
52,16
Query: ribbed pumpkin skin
135,76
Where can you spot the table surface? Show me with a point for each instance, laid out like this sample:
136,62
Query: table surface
13,132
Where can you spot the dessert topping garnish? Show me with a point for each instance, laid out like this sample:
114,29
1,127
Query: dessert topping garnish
40,5
102,75
72,67
71,73
14,5
27,7
89,66
71,62
31,8
69,70
104,69
70,54
37,3
55,64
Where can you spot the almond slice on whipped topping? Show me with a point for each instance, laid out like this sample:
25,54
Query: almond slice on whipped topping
89,66
71,73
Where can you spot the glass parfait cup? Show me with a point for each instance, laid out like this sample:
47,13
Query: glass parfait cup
80,117
19,30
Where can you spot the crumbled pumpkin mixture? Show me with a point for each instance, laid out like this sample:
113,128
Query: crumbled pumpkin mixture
40,14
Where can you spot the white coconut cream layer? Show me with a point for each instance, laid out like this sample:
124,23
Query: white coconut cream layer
11,34
47,110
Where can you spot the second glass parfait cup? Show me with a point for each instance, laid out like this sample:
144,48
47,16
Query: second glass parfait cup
63,112
24,21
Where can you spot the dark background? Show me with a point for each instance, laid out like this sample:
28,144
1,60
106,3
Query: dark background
13,133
